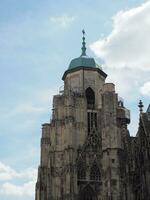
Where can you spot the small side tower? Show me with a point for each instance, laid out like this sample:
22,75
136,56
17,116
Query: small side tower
43,181
114,120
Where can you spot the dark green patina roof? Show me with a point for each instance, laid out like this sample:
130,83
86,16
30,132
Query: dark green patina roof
82,61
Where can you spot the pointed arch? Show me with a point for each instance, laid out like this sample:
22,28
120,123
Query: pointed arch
81,169
87,193
95,172
90,96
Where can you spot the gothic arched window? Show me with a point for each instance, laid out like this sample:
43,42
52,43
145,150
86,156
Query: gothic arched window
90,96
81,170
95,172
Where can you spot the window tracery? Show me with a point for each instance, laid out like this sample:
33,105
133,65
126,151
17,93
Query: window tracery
95,172
81,170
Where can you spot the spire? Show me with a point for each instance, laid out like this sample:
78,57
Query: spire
83,44
140,106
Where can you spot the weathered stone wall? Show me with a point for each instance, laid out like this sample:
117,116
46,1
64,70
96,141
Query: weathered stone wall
103,162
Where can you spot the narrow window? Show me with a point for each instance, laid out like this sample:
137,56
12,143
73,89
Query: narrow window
92,121
95,172
81,170
95,120
89,127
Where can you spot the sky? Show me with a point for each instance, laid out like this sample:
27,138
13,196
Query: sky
38,39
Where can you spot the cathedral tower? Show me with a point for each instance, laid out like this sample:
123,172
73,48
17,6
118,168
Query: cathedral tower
85,147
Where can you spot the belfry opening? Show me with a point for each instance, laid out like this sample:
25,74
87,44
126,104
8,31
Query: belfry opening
90,96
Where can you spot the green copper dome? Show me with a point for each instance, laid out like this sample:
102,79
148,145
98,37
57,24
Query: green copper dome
83,60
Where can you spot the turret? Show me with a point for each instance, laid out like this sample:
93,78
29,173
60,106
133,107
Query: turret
110,135
45,144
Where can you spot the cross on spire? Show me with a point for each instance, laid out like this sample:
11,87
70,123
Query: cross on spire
83,44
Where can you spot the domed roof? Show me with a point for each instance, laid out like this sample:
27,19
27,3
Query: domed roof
83,60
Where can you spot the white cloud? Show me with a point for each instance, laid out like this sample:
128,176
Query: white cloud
7,173
63,21
126,54
145,89
126,83
28,176
128,45
26,189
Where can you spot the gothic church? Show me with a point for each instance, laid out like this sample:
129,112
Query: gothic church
87,152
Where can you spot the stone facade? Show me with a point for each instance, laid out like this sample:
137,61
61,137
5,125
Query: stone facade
87,152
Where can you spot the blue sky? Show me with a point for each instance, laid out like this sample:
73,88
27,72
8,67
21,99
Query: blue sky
38,39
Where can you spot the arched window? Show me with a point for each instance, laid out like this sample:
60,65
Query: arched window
81,170
90,96
95,172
